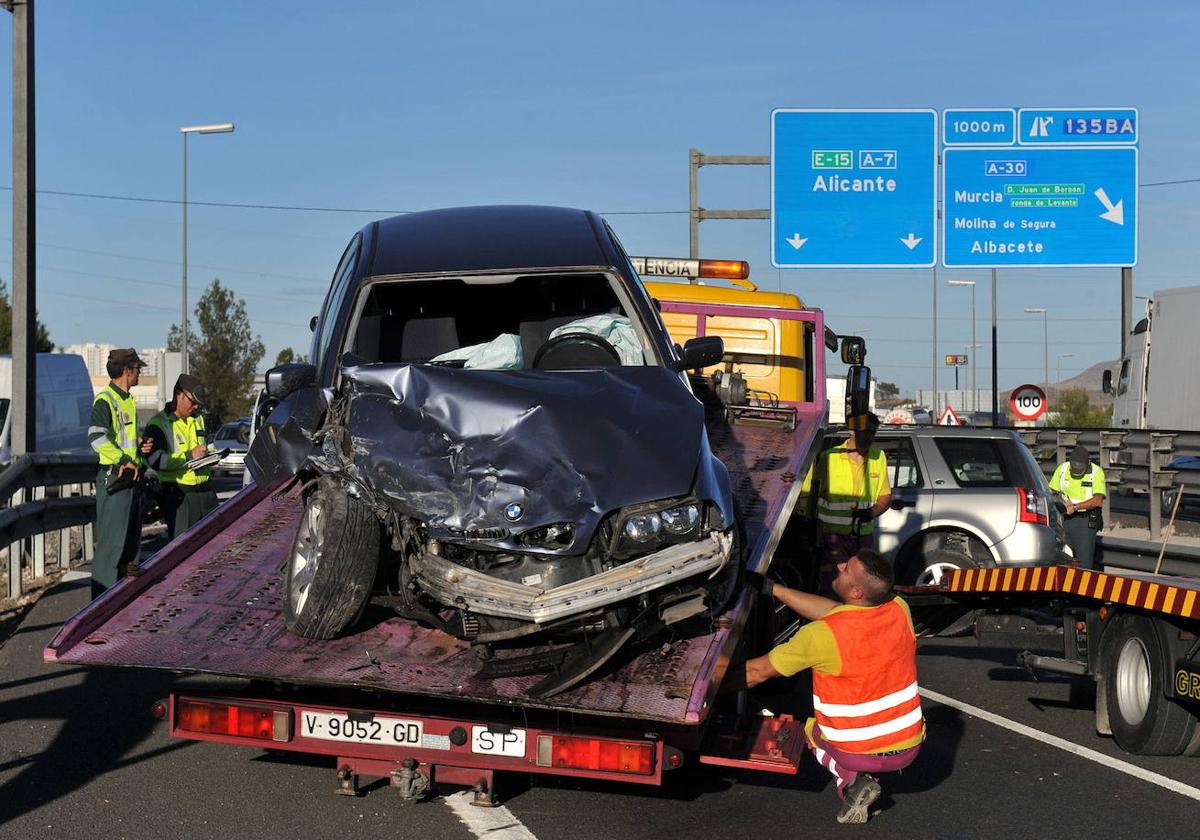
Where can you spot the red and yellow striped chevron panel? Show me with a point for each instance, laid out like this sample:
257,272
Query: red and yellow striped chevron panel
1173,596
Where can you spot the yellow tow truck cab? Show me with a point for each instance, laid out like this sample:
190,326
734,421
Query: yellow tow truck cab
769,352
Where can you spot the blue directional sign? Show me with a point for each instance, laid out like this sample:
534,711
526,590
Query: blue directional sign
1052,207
1077,126
979,126
853,189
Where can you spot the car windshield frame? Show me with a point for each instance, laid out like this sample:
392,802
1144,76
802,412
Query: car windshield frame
650,351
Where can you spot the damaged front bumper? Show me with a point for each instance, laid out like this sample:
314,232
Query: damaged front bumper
467,589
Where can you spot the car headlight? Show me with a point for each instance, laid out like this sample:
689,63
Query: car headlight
682,519
643,528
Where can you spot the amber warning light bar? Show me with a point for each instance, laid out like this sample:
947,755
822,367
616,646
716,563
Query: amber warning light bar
710,269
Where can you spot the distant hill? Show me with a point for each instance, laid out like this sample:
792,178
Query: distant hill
1089,380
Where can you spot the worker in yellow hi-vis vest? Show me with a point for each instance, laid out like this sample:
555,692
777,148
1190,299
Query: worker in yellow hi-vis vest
1080,484
853,490
113,435
178,435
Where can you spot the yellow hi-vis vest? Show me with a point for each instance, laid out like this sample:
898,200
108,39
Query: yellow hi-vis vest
182,437
121,438
847,487
1091,483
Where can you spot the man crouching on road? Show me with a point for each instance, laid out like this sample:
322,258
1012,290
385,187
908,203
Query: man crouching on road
863,655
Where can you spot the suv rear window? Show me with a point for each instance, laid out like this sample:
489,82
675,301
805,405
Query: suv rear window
974,462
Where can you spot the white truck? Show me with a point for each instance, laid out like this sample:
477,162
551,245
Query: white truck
1156,385
64,396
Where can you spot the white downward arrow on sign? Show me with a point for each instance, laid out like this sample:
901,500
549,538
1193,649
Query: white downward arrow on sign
795,241
911,241
1114,213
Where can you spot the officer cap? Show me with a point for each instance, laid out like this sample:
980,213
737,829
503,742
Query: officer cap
190,384
1080,458
125,356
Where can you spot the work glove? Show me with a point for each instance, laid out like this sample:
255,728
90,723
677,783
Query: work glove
759,583
862,515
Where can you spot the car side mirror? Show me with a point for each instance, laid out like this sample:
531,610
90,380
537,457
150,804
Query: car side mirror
1106,383
701,352
854,350
858,391
312,324
287,379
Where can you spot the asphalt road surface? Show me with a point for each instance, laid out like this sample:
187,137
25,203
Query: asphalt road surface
80,756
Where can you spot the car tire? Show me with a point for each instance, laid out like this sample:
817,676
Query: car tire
927,567
332,565
1143,719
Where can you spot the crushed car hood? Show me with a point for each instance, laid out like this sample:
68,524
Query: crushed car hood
455,448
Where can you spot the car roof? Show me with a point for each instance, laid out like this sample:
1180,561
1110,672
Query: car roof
488,238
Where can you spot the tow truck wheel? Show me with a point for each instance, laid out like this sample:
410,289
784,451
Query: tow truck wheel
1143,720
332,565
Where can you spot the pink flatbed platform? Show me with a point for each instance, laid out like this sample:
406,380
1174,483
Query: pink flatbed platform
210,602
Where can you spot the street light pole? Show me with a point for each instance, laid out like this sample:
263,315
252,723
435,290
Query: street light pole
1061,356
217,128
1035,310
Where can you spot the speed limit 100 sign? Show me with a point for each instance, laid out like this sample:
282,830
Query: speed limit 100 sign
1028,402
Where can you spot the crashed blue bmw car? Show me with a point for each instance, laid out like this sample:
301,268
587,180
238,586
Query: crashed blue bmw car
497,437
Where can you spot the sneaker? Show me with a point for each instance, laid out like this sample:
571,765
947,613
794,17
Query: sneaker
860,795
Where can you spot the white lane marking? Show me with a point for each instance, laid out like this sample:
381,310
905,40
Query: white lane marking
1069,746
493,823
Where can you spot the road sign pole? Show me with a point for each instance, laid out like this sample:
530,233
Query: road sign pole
934,408
694,204
1126,308
974,355
995,387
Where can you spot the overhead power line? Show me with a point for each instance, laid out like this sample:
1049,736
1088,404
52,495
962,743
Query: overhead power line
314,209
298,207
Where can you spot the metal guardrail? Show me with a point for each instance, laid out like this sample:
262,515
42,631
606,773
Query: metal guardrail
57,493
1142,556
1132,460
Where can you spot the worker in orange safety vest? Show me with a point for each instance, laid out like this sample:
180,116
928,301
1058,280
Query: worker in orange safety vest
863,655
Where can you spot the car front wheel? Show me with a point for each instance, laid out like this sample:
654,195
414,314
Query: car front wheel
332,565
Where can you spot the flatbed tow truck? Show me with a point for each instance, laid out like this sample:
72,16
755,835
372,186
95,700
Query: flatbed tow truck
1136,634
403,701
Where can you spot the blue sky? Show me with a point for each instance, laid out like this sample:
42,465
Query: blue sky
406,106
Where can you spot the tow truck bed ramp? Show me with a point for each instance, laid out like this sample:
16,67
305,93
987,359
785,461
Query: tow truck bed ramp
210,603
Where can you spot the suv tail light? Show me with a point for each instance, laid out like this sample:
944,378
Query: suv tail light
1032,507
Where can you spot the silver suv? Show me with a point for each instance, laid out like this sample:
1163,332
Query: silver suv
963,498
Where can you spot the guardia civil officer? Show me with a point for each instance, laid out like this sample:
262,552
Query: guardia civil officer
113,435
177,435
1081,485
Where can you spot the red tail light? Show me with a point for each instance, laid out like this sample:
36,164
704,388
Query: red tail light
259,722
1032,507
579,753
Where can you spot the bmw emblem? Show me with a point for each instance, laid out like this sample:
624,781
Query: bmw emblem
514,512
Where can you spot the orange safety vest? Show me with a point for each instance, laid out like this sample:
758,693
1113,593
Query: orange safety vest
873,705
